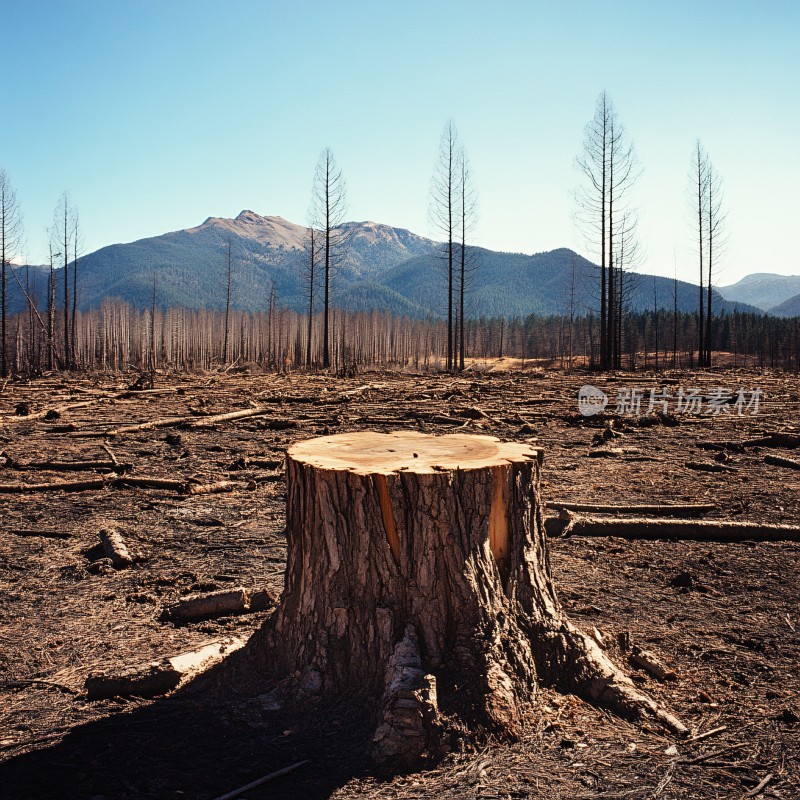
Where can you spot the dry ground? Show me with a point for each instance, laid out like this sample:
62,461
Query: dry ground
729,629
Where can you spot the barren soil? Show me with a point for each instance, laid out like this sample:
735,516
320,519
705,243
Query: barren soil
725,617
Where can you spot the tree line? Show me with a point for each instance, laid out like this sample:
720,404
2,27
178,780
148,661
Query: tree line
117,337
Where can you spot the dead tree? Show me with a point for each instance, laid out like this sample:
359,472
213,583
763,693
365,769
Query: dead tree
228,281
468,210
715,221
444,216
10,239
329,206
418,578
700,187
610,170
64,224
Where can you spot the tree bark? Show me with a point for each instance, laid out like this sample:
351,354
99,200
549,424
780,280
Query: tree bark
418,574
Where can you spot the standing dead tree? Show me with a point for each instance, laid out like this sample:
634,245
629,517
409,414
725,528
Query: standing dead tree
329,206
468,214
610,169
228,284
10,240
699,183
709,221
310,278
63,230
443,209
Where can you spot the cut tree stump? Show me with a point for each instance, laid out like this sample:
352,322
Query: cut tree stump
418,575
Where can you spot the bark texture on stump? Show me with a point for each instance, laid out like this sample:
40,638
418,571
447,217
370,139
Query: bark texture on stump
418,573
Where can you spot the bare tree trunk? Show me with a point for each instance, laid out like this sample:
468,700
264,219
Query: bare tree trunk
227,307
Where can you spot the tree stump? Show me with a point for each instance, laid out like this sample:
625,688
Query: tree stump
418,576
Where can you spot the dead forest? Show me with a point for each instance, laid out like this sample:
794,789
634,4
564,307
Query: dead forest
143,540
117,337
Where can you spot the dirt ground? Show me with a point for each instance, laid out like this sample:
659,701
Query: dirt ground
725,617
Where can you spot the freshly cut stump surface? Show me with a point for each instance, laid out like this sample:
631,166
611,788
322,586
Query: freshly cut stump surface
418,578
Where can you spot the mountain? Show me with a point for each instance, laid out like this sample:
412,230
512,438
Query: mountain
762,289
190,266
384,269
788,308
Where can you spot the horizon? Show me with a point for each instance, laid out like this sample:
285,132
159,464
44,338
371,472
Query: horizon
154,116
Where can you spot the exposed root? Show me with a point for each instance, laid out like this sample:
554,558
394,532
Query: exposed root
591,674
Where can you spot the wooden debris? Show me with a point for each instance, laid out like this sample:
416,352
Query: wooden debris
142,482
715,753
721,447
778,461
49,413
196,661
790,441
689,510
702,466
43,534
154,679
158,677
760,786
652,664
70,466
61,486
188,421
713,732
703,530
114,547
214,604
206,422
210,488
252,785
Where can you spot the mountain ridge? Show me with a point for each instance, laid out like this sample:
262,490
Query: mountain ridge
384,268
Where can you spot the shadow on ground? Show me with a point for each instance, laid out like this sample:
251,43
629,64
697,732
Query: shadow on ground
201,742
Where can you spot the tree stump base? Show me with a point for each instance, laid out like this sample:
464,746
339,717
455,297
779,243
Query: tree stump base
418,577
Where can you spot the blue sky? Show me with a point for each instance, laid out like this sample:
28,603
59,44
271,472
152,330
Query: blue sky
156,115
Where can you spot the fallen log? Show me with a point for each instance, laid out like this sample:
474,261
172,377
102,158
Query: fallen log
158,677
703,530
188,422
702,466
652,664
166,422
43,534
689,510
60,486
213,604
181,487
210,488
205,422
778,461
49,413
152,483
154,679
114,547
70,466
790,441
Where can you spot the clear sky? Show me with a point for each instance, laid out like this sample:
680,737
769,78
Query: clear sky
155,114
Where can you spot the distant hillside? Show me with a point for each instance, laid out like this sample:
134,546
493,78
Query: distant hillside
788,308
514,284
762,289
385,269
